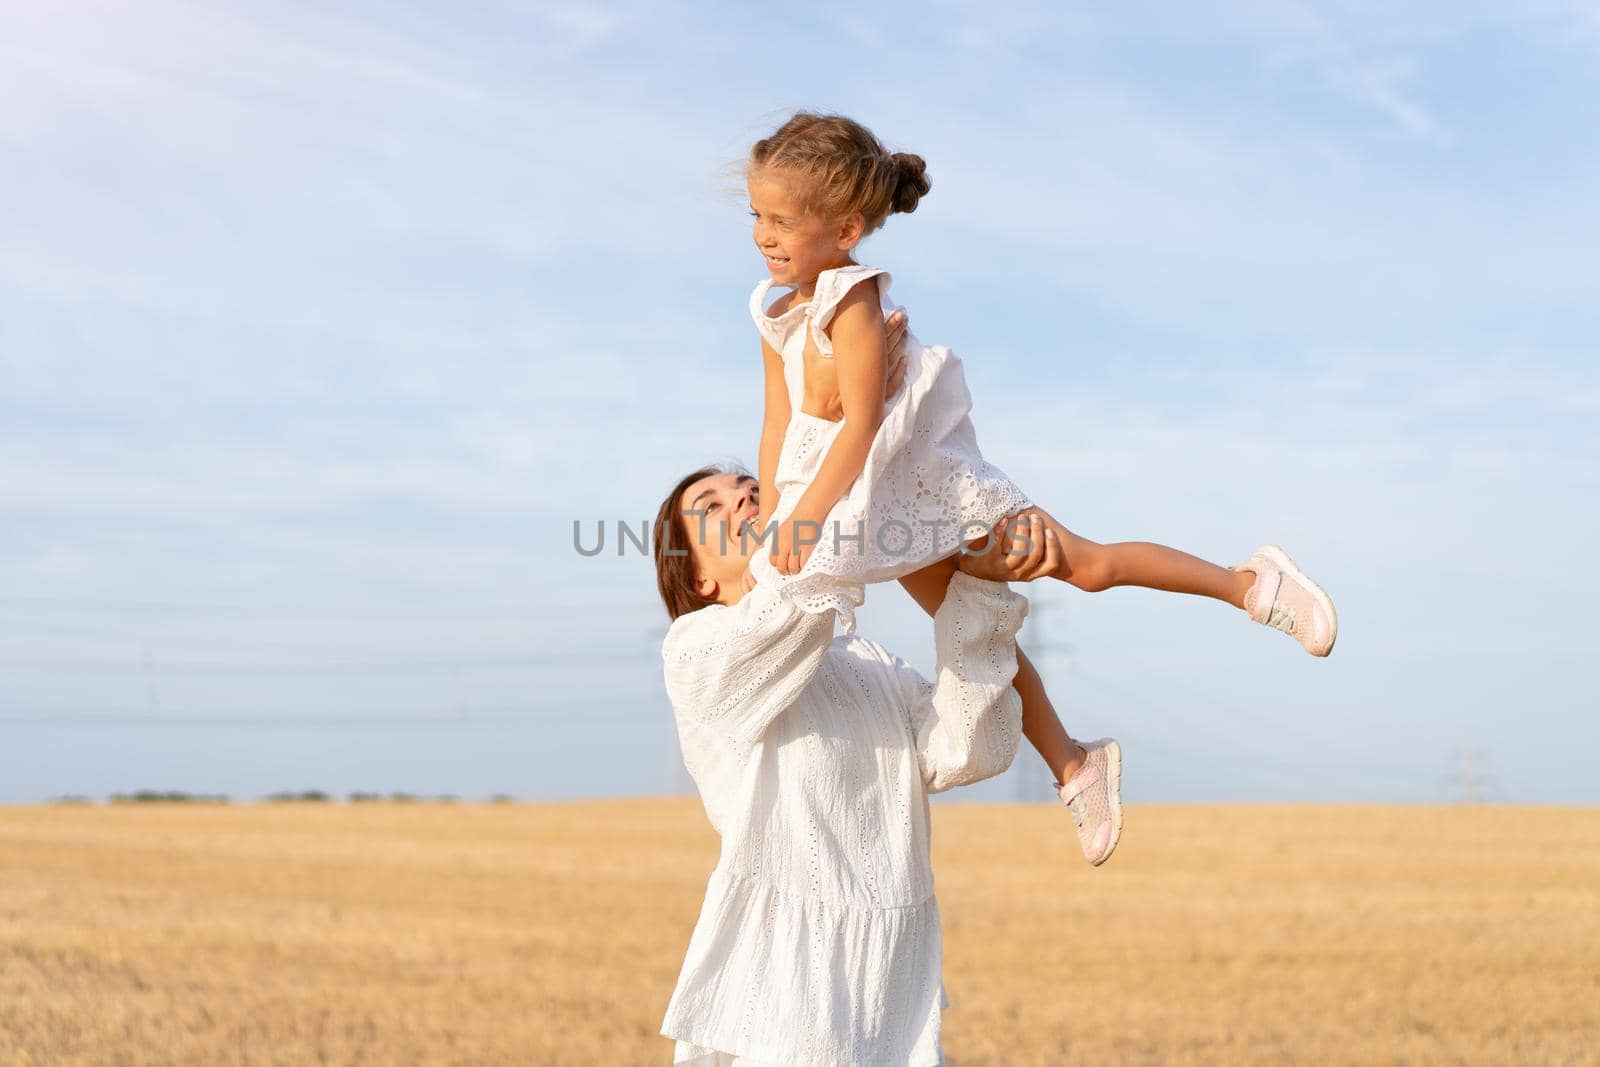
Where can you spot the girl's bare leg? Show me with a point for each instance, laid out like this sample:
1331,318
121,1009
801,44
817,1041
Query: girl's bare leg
1093,567
1040,723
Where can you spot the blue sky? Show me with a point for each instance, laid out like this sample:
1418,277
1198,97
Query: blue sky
320,327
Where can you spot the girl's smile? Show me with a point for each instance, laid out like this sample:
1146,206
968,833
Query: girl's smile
796,244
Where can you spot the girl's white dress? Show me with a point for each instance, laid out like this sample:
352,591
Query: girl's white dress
925,487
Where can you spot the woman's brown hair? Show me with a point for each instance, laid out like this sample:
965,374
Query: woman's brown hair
675,564
844,168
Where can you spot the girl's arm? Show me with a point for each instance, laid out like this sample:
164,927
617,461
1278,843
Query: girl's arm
860,352
773,426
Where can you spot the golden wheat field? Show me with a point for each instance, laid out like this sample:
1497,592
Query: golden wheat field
552,934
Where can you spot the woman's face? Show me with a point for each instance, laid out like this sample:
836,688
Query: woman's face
796,244
714,509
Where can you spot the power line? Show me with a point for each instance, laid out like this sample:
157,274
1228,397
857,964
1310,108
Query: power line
386,663
617,710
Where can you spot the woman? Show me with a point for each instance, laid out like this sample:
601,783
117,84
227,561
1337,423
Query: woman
819,939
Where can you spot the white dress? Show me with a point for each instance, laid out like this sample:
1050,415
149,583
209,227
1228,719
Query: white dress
924,481
819,942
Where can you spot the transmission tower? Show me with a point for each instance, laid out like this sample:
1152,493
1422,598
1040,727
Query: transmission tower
1470,781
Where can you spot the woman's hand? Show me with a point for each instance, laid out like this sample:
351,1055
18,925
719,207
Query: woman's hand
894,344
822,377
1021,548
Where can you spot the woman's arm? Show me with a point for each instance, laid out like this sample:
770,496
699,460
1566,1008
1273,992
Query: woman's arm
774,424
968,723
860,351
732,669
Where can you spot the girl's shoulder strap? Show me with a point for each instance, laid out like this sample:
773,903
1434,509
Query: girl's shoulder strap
758,299
764,322
767,324
832,285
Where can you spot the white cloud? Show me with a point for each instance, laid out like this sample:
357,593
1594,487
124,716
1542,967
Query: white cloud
340,318
1383,85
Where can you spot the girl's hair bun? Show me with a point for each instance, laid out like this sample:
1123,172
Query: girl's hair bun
912,181
840,167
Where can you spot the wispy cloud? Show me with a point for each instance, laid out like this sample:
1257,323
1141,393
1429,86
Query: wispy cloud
1384,85
340,317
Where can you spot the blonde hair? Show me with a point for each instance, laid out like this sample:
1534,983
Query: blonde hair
842,168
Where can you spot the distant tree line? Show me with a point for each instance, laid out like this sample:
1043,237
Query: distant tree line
306,796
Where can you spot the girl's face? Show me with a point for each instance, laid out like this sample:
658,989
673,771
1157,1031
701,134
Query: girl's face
797,244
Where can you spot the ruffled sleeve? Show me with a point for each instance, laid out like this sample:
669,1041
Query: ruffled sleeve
758,311
832,285
968,723
731,669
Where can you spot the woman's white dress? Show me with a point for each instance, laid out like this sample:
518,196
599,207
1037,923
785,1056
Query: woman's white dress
925,479
819,942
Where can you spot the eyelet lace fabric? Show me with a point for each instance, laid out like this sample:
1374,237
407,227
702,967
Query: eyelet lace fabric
926,486
818,941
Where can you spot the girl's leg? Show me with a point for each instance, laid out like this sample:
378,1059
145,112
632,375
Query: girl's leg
1040,723
1093,567
1268,586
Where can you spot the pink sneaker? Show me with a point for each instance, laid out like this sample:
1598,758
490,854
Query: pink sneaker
1094,796
1285,599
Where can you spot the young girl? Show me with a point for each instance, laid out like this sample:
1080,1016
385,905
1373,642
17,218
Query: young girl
897,487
